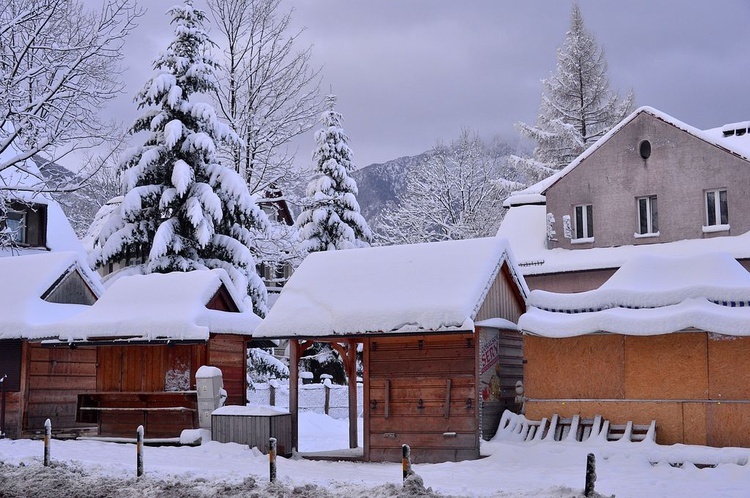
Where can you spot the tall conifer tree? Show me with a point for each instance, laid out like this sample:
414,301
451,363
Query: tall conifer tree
331,219
182,209
577,105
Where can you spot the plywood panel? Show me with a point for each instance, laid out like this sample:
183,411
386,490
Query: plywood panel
694,424
668,415
669,366
589,366
728,367
728,424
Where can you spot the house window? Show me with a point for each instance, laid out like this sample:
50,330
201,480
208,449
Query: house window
16,223
584,222
717,210
10,364
648,216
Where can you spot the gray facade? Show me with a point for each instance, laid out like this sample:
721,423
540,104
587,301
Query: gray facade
679,168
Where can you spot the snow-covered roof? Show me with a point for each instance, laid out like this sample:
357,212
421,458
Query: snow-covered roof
25,279
155,307
739,145
524,227
26,184
394,289
650,295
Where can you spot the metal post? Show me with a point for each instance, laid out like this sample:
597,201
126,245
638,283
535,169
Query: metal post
47,438
406,460
590,475
139,451
272,458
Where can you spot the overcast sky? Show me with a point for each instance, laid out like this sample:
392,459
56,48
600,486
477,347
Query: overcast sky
410,72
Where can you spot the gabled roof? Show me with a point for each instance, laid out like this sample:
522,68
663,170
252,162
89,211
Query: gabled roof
25,280
160,307
393,289
650,295
535,193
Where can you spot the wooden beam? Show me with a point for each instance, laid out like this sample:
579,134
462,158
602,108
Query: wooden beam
352,374
294,354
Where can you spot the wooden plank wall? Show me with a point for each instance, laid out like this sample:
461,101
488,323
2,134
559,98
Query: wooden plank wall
139,368
229,353
254,431
503,299
402,371
55,378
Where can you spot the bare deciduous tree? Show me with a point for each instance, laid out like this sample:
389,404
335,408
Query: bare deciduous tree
268,92
457,193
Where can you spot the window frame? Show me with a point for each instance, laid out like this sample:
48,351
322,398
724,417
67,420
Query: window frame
718,217
583,231
651,227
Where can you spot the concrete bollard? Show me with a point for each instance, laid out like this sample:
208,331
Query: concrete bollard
272,458
139,451
590,475
47,438
406,460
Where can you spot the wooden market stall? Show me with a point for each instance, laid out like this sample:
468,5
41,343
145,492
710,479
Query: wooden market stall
428,319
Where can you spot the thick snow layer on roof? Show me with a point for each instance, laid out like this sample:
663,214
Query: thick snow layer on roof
170,306
525,229
25,279
650,295
651,281
697,313
409,288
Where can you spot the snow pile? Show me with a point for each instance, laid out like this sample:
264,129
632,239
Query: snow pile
157,306
650,295
409,288
25,280
509,469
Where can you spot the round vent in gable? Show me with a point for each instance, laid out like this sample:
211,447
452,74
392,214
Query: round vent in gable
645,149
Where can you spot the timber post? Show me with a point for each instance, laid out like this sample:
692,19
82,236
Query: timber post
406,460
272,459
2,406
47,438
139,451
294,354
590,475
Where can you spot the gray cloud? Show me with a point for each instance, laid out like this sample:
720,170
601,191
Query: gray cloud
408,73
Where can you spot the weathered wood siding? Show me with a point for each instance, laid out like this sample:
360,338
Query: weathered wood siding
229,353
695,385
254,431
503,299
422,391
55,378
72,289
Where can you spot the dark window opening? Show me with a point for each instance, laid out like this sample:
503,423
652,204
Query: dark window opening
645,149
10,364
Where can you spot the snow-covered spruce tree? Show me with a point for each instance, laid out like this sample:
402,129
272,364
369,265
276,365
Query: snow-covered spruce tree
182,209
330,218
577,105
262,366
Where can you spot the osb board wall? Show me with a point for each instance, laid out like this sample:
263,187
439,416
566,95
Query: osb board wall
577,367
669,416
403,370
55,378
729,368
710,370
669,366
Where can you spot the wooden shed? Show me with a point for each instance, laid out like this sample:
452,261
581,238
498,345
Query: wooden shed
149,334
432,320
39,384
665,339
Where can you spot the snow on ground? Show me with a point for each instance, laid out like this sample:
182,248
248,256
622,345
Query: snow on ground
547,469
